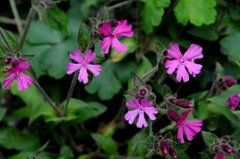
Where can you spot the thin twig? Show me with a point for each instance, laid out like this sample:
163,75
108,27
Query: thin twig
6,20
5,40
30,18
70,92
16,16
48,99
119,4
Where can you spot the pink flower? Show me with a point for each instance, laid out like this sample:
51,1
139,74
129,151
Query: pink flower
233,101
220,155
140,107
110,35
187,128
83,65
183,64
18,67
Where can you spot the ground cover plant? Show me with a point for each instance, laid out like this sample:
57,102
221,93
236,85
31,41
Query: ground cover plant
85,79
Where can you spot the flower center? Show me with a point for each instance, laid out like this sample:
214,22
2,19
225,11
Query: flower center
182,60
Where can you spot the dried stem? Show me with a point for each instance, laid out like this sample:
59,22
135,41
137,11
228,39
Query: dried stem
119,4
6,20
16,16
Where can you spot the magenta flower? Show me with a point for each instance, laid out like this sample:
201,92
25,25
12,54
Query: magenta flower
189,129
220,155
110,35
140,107
233,101
183,64
83,65
18,67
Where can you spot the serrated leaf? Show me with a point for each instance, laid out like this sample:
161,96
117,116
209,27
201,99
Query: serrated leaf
138,145
152,13
209,138
230,47
197,12
106,143
56,19
83,37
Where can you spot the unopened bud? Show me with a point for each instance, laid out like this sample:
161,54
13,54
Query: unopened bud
230,81
173,115
172,100
219,155
152,96
172,153
184,103
143,92
215,148
227,148
7,60
164,147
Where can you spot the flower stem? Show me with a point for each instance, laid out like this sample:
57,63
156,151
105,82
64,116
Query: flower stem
5,40
70,92
48,99
30,18
16,16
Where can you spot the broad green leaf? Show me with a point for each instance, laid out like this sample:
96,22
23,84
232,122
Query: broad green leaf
23,155
132,46
209,138
152,13
138,145
2,113
106,143
83,37
205,32
54,59
56,19
11,39
218,105
65,153
39,33
197,12
106,84
11,138
144,67
230,47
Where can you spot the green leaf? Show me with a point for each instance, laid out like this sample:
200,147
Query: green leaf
144,67
65,153
106,84
218,105
54,59
2,112
56,19
83,37
11,39
138,145
14,139
230,47
205,32
197,12
23,155
45,36
152,13
209,138
106,143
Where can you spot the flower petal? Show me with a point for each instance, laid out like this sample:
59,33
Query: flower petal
193,52
118,45
141,120
174,51
89,56
133,103
24,81
180,135
105,44
171,65
72,67
151,111
76,56
8,81
105,28
95,69
193,68
131,115
123,29
182,74
22,65
83,75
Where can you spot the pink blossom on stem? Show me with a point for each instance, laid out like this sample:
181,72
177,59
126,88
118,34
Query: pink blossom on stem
82,64
183,64
233,101
18,67
189,129
110,35
140,107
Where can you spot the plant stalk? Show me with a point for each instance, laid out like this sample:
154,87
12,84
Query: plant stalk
16,16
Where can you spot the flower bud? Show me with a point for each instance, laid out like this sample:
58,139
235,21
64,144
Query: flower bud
172,100
143,92
227,148
184,103
219,155
163,147
172,153
7,60
215,148
173,115
229,81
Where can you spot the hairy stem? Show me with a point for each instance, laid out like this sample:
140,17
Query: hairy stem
68,136
47,98
16,16
120,4
5,40
70,92
30,18
6,20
